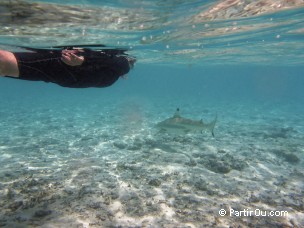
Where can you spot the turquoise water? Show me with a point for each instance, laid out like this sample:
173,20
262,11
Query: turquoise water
93,157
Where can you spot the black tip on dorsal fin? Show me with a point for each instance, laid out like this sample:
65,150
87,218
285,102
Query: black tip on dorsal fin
176,114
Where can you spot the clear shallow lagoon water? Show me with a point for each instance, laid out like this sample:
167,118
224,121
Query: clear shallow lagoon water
93,158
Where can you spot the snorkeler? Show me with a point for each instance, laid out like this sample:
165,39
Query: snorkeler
67,66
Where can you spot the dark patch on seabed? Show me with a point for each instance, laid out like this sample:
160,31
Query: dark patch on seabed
127,175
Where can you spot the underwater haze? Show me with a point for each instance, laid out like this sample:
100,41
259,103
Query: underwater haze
96,158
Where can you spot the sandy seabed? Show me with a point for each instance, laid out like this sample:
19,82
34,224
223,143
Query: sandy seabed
70,167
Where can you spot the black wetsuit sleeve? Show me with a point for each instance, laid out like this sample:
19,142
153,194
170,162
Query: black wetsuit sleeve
101,71
119,64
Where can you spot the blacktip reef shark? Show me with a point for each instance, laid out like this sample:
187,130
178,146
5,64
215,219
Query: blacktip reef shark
180,125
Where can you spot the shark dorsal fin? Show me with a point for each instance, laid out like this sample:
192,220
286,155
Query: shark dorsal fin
176,114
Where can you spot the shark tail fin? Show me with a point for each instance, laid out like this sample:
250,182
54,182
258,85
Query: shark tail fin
210,126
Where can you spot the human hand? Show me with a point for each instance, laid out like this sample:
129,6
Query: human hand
70,58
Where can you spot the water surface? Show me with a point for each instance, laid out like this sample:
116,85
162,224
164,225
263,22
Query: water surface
93,158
